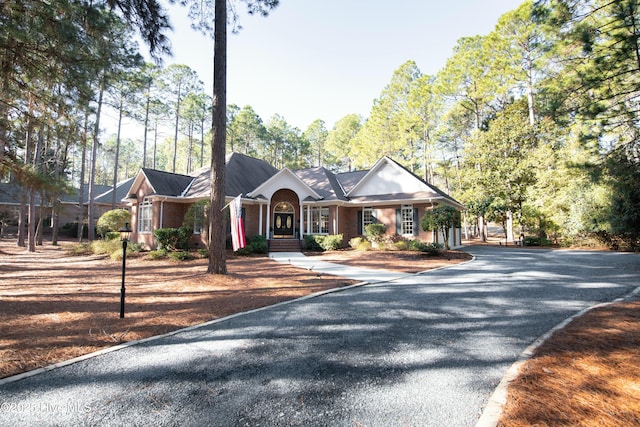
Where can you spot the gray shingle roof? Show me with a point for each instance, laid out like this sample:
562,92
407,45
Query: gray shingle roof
348,180
167,183
122,189
243,174
10,193
323,182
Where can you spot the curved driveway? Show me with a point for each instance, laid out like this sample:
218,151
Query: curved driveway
421,350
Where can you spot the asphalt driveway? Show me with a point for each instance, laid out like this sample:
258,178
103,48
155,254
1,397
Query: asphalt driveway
421,350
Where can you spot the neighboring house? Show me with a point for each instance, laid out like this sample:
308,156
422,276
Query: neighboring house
69,212
103,202
286,205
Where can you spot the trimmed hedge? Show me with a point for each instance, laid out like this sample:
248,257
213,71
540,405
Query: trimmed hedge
257,245
173,238
319,242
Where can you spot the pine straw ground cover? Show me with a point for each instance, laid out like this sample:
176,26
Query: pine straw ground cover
55,307
587,374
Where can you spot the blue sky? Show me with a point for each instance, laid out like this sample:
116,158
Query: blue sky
325,59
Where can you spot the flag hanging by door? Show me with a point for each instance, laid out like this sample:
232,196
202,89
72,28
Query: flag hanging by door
238,240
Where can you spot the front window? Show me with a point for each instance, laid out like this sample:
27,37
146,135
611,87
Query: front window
145,214
368,217
406,226
320,220
198,220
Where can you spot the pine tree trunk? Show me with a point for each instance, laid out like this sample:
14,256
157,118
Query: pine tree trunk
146,126
32,196
117,158
175,136
82,173
217,237
92,171
23,215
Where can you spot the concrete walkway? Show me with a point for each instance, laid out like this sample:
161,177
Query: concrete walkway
368,275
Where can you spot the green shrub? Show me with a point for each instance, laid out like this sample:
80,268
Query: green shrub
364,246
259,245
401,245
112,235
198,214
244,251
536,241
204,253
158,254
312,242
375,232
79,249
355,242
432,248
105,247
135,247
360,244
319,242
112,220
332,242
179,256
420,246
256,245
173,238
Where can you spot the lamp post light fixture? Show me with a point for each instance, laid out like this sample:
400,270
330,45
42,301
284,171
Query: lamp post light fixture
124,234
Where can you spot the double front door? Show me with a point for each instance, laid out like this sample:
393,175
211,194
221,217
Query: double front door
283,225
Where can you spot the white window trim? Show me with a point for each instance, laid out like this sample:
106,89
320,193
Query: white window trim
403,210
316,220
370,220
198,221
146,204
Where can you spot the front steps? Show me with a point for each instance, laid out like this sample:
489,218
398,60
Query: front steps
284,245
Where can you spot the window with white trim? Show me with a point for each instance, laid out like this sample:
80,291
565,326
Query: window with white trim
406,225
368,217
198,219
145,215
320,220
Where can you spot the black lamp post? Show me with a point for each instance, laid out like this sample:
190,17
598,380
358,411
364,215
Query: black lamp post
124,233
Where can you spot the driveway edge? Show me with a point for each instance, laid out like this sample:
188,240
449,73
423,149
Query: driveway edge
34,372
493,410
87,356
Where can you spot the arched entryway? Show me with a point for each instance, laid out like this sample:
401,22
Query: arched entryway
284,215
283,220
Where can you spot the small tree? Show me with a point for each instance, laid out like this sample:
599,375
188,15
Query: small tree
113,220
198,213
375,232
442,218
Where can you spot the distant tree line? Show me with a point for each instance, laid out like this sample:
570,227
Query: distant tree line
534,125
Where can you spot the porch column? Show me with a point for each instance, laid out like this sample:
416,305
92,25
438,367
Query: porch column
268,219
301,221
336,223
308,219
260,232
